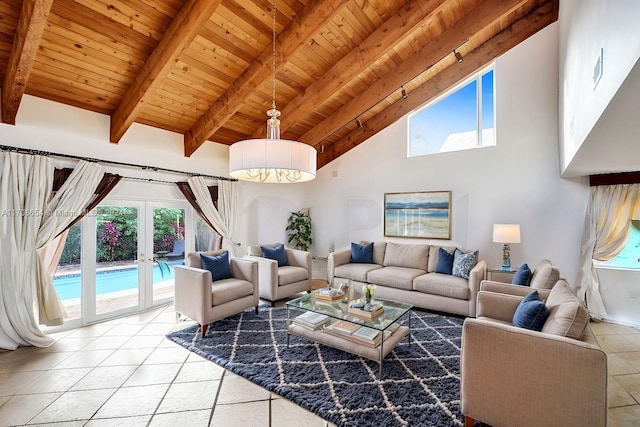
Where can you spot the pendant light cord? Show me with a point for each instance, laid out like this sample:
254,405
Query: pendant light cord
273,58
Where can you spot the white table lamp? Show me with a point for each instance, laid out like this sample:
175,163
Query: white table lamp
505,234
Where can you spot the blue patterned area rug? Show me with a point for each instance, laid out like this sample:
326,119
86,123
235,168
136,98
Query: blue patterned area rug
420,383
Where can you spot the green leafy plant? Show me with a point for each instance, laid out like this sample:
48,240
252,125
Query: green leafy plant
299,229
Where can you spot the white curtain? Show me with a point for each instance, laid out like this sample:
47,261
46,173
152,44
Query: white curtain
224,218
606,230
30,218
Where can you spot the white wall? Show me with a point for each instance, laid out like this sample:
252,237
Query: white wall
515,182
586,27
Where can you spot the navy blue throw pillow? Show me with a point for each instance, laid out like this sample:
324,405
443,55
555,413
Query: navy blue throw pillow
531,313
522,276
277,253
445,262
362,253
218,265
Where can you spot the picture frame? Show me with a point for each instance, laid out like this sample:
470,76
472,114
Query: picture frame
422,215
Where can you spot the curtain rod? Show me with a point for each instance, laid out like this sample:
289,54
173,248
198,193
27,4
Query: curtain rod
112,162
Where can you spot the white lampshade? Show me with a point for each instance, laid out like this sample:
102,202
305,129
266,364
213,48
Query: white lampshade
272,161
506,233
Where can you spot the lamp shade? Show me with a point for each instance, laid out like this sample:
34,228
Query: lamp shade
506,233
272,161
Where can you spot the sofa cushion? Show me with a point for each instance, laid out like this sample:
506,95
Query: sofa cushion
406,255
379,248
445,262
522,276
434,252
291,274
463,263
276,253
218,265
394,277
531,313
567,316
354,271
231,289
362,253
544,276
193,258
442,284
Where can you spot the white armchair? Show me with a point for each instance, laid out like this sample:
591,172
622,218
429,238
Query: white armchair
275,282
204,300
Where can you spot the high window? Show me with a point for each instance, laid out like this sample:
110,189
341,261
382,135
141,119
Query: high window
461,119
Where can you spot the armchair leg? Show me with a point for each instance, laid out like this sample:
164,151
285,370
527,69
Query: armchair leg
468,421
256,309
203,328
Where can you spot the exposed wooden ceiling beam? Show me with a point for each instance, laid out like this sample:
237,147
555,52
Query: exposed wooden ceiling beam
520,30
385,38
31,25
183,29
313,17
444,44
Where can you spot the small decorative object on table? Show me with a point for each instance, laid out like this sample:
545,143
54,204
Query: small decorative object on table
367,310
329,294
344,287
369,292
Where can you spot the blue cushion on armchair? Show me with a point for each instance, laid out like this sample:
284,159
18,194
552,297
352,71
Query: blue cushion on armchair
218,265
531,313
277,253
522,276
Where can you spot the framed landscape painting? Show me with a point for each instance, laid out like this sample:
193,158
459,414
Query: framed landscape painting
425,215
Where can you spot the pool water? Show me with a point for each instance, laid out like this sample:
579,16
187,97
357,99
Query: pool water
68,287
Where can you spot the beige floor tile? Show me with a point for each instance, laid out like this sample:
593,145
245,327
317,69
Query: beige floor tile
73,405
189,396
56,380
167,355
105,377
69,344
200,371
616,365
287,414
617,395
601,328
616,344
235,389
625,416
34,361
133,401
107,343
153,374
19,410
631,383
140,421
124,329
248,414
11,382
622,329
84,359
79,423
633,338
127,356
166,317
632,358
189,418
193,357
3,399
156,329
91,330
146,341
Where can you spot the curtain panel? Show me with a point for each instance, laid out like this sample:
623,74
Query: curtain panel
606,231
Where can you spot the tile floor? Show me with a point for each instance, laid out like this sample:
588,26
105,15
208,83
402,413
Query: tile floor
124,372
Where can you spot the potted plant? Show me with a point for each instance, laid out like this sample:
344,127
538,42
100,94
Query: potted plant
299,229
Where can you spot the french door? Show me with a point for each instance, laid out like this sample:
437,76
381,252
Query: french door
129,250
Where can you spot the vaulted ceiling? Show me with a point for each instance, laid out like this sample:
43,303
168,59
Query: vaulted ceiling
203,68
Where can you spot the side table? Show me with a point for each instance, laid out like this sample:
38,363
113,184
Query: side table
506,274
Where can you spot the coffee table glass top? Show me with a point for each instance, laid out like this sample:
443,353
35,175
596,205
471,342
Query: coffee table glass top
393,311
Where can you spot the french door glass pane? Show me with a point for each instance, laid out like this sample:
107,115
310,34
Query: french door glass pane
168,249
116,259
68,278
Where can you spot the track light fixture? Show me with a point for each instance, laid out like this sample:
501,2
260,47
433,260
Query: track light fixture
458,56
404,93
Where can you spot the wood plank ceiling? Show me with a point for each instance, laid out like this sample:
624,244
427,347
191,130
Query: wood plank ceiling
203,68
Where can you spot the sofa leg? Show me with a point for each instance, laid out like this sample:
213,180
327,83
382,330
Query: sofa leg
203,329
468,421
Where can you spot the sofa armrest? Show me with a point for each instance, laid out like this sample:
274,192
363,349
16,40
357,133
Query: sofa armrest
475,277
506,288
192,292
336,259
514,376
497,306
298,258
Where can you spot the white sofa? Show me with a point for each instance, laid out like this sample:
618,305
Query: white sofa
407,273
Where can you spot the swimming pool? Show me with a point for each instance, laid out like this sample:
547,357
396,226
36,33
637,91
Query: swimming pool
68,287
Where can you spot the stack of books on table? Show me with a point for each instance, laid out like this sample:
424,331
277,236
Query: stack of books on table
312,321
355,333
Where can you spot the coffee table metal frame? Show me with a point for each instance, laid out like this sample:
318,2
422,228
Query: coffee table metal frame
393,313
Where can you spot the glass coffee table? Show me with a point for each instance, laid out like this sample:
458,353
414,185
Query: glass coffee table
387,324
